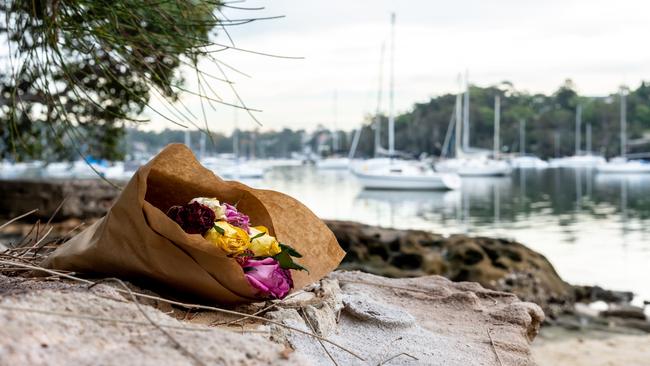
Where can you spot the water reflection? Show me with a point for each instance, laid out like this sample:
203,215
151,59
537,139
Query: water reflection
594,228
405,204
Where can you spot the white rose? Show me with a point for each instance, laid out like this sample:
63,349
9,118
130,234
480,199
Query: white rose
214,204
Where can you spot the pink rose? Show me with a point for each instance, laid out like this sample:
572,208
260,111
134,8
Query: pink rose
268,277
236,218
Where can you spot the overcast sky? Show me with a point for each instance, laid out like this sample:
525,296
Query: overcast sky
534,44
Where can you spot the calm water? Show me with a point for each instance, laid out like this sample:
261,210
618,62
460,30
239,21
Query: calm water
595,229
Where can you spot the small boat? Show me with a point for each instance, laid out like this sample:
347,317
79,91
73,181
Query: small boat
342,163
577,161
405,175
621,165
333,163
242,170
528,162
475,167
524,161
580,159
229,168
474,164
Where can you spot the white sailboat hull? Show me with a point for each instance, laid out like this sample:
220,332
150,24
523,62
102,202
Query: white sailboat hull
528,162
624,167
334,164
433,182
234,169
578,161
405,176
242,172
475,167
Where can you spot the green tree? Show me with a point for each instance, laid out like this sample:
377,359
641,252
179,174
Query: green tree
80,69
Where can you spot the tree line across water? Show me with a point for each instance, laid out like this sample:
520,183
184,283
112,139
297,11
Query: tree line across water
549,125
549,122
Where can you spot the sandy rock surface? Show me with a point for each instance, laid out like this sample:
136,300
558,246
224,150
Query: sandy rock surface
620,350
31,338
425,321
417,321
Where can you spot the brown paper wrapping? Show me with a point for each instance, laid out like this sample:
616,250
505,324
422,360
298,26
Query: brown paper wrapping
136,240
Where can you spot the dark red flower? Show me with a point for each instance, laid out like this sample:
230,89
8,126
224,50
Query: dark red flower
194,217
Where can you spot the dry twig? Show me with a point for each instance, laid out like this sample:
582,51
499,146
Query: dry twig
174,341
304,316
494,348
185,305
273,305
17,218
100,318
394,357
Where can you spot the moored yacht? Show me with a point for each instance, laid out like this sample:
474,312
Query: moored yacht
391,173
621,164
476,164
580,159
405,175
528,162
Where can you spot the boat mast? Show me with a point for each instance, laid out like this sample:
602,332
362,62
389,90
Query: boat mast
391,111
497,122
335,134
235,136
379,95
588,147
458,151
466,114
355,143
623,123
578,129
522,137
445,144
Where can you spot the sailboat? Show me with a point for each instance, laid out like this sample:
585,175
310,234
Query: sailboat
524,161
337,163
620,164
334,162
579,160
392,173
465,163
233,168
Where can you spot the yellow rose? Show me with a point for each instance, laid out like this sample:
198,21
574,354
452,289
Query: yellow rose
230,239
263,244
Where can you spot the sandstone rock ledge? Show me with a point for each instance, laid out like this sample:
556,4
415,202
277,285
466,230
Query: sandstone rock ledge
415,321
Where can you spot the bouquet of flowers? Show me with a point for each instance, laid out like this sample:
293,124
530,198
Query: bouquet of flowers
265,261
165,232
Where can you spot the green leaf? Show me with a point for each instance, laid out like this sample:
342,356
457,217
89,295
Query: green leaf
287,262
292,252
257,236
219,229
